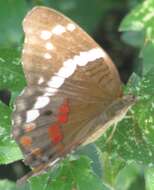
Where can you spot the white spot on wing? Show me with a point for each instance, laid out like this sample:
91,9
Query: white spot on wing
50,91
47,56
89,56
32,115
96,53
68,69
41,102
56,82
41,80
45,35
58,30
48,94
49,46
82,59
69,66
70,27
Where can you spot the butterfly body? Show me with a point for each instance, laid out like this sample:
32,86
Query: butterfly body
73,90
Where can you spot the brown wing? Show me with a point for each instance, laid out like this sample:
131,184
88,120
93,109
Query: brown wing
65,70
53,42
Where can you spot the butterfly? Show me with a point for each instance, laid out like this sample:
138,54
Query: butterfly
73,91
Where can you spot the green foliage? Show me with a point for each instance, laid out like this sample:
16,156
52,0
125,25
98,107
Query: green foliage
149,178
148,57
7,185
125,159
12,13
12,78
11,73
128,175
141,18
9,151
133,138
72,174
140,24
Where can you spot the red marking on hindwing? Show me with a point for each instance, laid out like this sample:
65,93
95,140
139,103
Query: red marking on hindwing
62,118
64,108
55,134
54,131
25,141
63,112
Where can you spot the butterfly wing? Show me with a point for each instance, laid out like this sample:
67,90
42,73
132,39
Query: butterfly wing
70,80
59,47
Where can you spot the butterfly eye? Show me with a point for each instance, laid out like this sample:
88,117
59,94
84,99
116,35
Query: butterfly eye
47,112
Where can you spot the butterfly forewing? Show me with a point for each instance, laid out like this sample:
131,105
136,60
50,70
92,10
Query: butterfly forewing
53,42
70,81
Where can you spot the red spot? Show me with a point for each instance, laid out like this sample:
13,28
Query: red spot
63,118
55,134
26,141
64,108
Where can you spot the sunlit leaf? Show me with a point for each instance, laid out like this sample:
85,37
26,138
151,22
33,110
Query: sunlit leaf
148,57
133,138
149,178
11,74
141,18
7,185
127,176
73,174
11,15
9,151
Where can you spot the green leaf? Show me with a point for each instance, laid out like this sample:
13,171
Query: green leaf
7,185
141,18
133,38
144,110
133,84
149,178
12,13
11,78
148,57
127,176
9,151
72,174
133,138
94,153
11,74
111,167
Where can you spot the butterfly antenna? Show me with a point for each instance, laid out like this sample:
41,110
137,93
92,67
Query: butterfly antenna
112,133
